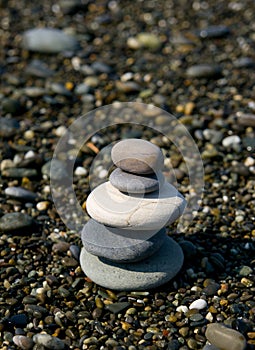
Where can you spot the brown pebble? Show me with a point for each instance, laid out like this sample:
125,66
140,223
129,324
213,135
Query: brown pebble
69,262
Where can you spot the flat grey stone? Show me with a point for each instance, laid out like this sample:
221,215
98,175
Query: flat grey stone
137,156
151,211
48,40
221,336
20,193
114,244
149,273
18,173
15,222
131,183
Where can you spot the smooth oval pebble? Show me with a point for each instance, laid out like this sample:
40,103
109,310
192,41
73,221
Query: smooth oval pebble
131,183
204,71
113,244
20,193
23,342
8,127
198,304
152,211
137,156
48,40
214,32
49,341
221,336
148,273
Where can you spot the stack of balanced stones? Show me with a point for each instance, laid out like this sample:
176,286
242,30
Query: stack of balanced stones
125,245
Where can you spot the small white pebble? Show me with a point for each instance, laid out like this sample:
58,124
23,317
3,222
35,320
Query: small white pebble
239,218
29,154
102,174
231,141
29,134
80,171
6,164
182,308
249,161
17,159
209,317
46,189
60,131
198,304
195,289
42,205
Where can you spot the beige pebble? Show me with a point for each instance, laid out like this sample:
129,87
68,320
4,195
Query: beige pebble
42,205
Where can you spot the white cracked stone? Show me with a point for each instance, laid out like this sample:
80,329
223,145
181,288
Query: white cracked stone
151,211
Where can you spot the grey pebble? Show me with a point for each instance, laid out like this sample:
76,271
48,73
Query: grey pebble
132,183
149,273
8,127
101,67
110,243
20,193
118,307
244,62
137,156
216,31
56,169
39,69
210,347
189,249
49,341
75,250
204,71
81,89
246,119
221,336
60,89
16,222
18,173
23,342
48,40
245,271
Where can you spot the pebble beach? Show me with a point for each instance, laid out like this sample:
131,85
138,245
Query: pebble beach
62,59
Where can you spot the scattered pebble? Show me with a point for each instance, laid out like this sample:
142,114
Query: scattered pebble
48,40
221,336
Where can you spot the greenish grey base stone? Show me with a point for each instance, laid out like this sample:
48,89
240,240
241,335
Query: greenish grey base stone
152,272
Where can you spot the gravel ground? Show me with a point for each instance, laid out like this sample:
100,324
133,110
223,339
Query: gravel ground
196,61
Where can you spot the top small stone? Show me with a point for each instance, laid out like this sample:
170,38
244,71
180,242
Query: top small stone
137,156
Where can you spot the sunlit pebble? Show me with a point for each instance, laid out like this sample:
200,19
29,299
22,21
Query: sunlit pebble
182,308
209,317
127,76
249,161
76,63
102,174
239,218
29,154
46,189
29,134
80,171
42,205
198,304
247,246
16,160
225,199
251,105
206,209
60,131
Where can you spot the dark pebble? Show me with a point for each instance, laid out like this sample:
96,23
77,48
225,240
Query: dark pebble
8,127
11,106
214,32
75,250
16,222
211,289
244,62
189,249
19,320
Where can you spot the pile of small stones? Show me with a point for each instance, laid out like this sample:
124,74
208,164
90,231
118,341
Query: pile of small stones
128,215
61,59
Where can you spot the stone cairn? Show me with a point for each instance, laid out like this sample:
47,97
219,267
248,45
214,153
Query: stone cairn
125,245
